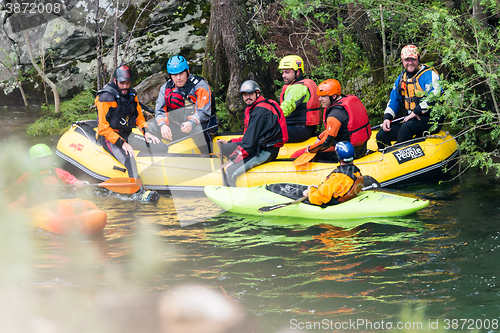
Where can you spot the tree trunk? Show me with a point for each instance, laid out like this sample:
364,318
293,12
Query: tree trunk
368,38
480,13
227,61
57,104
18,84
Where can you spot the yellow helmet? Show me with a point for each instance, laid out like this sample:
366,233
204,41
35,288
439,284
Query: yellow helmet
292,61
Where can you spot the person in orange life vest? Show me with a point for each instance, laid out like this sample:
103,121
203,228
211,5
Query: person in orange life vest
339,182
118,112
412,89
298,100
263,134
183,89
40,185
345,119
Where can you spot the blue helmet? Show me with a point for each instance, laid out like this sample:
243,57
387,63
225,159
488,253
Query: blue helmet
345,151
177,64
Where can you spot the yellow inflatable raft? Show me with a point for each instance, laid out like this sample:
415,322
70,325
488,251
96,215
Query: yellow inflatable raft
181,166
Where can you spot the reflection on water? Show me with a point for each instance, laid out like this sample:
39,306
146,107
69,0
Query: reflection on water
444,260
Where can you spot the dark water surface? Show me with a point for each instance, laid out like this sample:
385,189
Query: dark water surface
435,266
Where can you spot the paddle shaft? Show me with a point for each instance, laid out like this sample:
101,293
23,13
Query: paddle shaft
119,185
392,121
181,139
307,156
270,208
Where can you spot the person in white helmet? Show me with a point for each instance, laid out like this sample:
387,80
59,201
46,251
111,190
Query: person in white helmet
411,92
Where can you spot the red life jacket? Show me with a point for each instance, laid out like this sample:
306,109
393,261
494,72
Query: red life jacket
275,108
307,113
359,124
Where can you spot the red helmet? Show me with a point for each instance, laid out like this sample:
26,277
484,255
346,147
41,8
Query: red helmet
329,87
123,73
410,51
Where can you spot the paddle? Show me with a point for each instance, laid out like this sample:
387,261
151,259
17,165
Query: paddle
368,182
306,157
225,182
270,208
119,185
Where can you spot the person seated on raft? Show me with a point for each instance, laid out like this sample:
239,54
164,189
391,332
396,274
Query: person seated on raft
264,133
41,185
338,184
118,112
298,100
183,89
345,119
412,88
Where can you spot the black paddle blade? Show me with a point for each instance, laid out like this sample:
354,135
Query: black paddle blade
270,208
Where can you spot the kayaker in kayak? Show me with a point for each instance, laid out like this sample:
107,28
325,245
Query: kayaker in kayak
264,133
118,112
298,100
183,89
345,119
412,89
41,185
339,182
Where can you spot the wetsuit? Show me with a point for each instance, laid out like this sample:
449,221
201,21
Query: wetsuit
339,128
117,115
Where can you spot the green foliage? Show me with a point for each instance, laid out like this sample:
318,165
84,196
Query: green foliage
266,52
78,108
224,117
463,49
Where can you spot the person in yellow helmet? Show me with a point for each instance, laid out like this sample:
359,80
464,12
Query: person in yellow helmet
298,100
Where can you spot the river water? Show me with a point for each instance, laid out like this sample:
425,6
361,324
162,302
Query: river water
430,271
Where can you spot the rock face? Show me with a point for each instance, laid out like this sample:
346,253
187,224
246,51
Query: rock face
68,43
148,89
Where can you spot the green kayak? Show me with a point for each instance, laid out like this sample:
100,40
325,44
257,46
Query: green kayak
248,200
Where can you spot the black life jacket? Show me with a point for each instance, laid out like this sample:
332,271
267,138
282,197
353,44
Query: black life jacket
124,116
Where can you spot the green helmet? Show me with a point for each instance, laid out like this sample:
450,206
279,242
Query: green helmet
39,150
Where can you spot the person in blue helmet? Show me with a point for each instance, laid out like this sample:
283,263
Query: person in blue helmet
340,182
183,89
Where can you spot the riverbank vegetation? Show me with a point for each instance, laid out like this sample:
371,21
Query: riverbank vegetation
359,43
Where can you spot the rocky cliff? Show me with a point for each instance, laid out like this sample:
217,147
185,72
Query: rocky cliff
67,41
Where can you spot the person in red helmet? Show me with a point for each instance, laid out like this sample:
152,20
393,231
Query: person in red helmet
411,92
345,119
118,112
